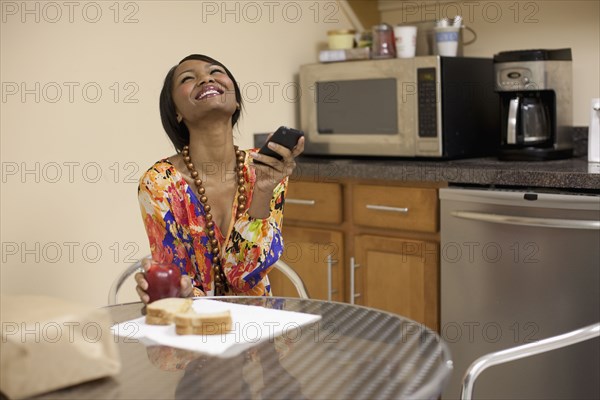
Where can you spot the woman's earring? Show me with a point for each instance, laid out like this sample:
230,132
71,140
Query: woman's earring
238,106
179,118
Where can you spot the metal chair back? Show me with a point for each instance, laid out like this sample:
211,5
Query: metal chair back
526,350
284,268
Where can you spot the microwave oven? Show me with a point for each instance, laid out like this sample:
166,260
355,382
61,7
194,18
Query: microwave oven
429,106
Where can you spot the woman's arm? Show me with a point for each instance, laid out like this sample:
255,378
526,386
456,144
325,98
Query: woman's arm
254,245
160,215
255,242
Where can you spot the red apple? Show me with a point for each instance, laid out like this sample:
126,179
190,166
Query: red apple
163,281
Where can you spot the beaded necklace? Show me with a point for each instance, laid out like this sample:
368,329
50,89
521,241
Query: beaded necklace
221,286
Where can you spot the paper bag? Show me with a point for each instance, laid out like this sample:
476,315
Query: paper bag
49,344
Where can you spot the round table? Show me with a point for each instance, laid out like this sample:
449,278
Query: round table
353,352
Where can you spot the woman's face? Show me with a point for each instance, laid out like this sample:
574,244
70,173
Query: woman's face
202,90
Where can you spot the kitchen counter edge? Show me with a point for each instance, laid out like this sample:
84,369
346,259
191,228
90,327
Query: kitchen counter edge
571,174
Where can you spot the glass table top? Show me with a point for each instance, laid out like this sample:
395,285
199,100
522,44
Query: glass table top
353,352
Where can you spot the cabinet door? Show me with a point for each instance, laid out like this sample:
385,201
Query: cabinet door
410,209
313,202
310,252
398,275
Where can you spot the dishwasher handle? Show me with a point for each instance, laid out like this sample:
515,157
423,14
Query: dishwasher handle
528,221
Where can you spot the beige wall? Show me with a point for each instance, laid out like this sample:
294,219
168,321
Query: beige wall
515,25
79,112
80,122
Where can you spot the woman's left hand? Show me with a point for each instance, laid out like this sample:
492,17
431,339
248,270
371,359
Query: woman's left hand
269,173
187,289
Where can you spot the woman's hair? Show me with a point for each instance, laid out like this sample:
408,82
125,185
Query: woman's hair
177,131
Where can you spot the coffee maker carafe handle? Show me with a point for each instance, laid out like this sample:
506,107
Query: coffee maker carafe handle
511,127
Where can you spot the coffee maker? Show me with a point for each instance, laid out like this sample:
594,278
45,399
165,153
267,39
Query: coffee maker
535,88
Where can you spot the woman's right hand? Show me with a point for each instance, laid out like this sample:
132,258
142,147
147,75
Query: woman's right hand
142,283
187,289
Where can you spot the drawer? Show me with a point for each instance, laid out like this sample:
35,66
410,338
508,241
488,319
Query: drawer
313,202
404,208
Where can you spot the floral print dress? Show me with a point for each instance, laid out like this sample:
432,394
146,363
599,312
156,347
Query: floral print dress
175,223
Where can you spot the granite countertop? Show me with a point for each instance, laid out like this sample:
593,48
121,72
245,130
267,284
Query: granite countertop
573,174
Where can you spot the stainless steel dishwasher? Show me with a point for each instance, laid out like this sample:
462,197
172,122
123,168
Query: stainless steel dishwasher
520,266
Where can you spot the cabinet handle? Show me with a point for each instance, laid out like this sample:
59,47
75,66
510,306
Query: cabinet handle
376,207
329,288
353,267
301,202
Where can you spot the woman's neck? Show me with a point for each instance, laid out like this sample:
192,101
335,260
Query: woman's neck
212,151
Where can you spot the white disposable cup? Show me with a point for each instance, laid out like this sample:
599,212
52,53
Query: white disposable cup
446,40
406,41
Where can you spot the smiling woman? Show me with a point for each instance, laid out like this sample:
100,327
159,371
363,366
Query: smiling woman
183,75
228,244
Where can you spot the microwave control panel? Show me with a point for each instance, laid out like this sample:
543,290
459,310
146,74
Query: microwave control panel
427,105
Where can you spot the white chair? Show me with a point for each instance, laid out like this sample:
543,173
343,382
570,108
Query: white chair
526,350
279,265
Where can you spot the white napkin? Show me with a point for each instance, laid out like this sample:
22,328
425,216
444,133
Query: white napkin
251,325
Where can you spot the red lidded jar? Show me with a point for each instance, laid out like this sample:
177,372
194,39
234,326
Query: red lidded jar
383,42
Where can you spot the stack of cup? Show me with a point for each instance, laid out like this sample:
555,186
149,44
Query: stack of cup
446,39
406,41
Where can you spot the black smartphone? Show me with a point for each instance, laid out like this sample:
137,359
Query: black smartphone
284,136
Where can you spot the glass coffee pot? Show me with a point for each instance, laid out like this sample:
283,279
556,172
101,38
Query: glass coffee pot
528,121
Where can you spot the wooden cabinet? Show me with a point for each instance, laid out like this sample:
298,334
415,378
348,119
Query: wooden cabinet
405,208
313,202
399,276
367,11
372,243
315,253
317,256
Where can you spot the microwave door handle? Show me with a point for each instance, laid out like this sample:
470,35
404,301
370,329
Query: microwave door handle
511,130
